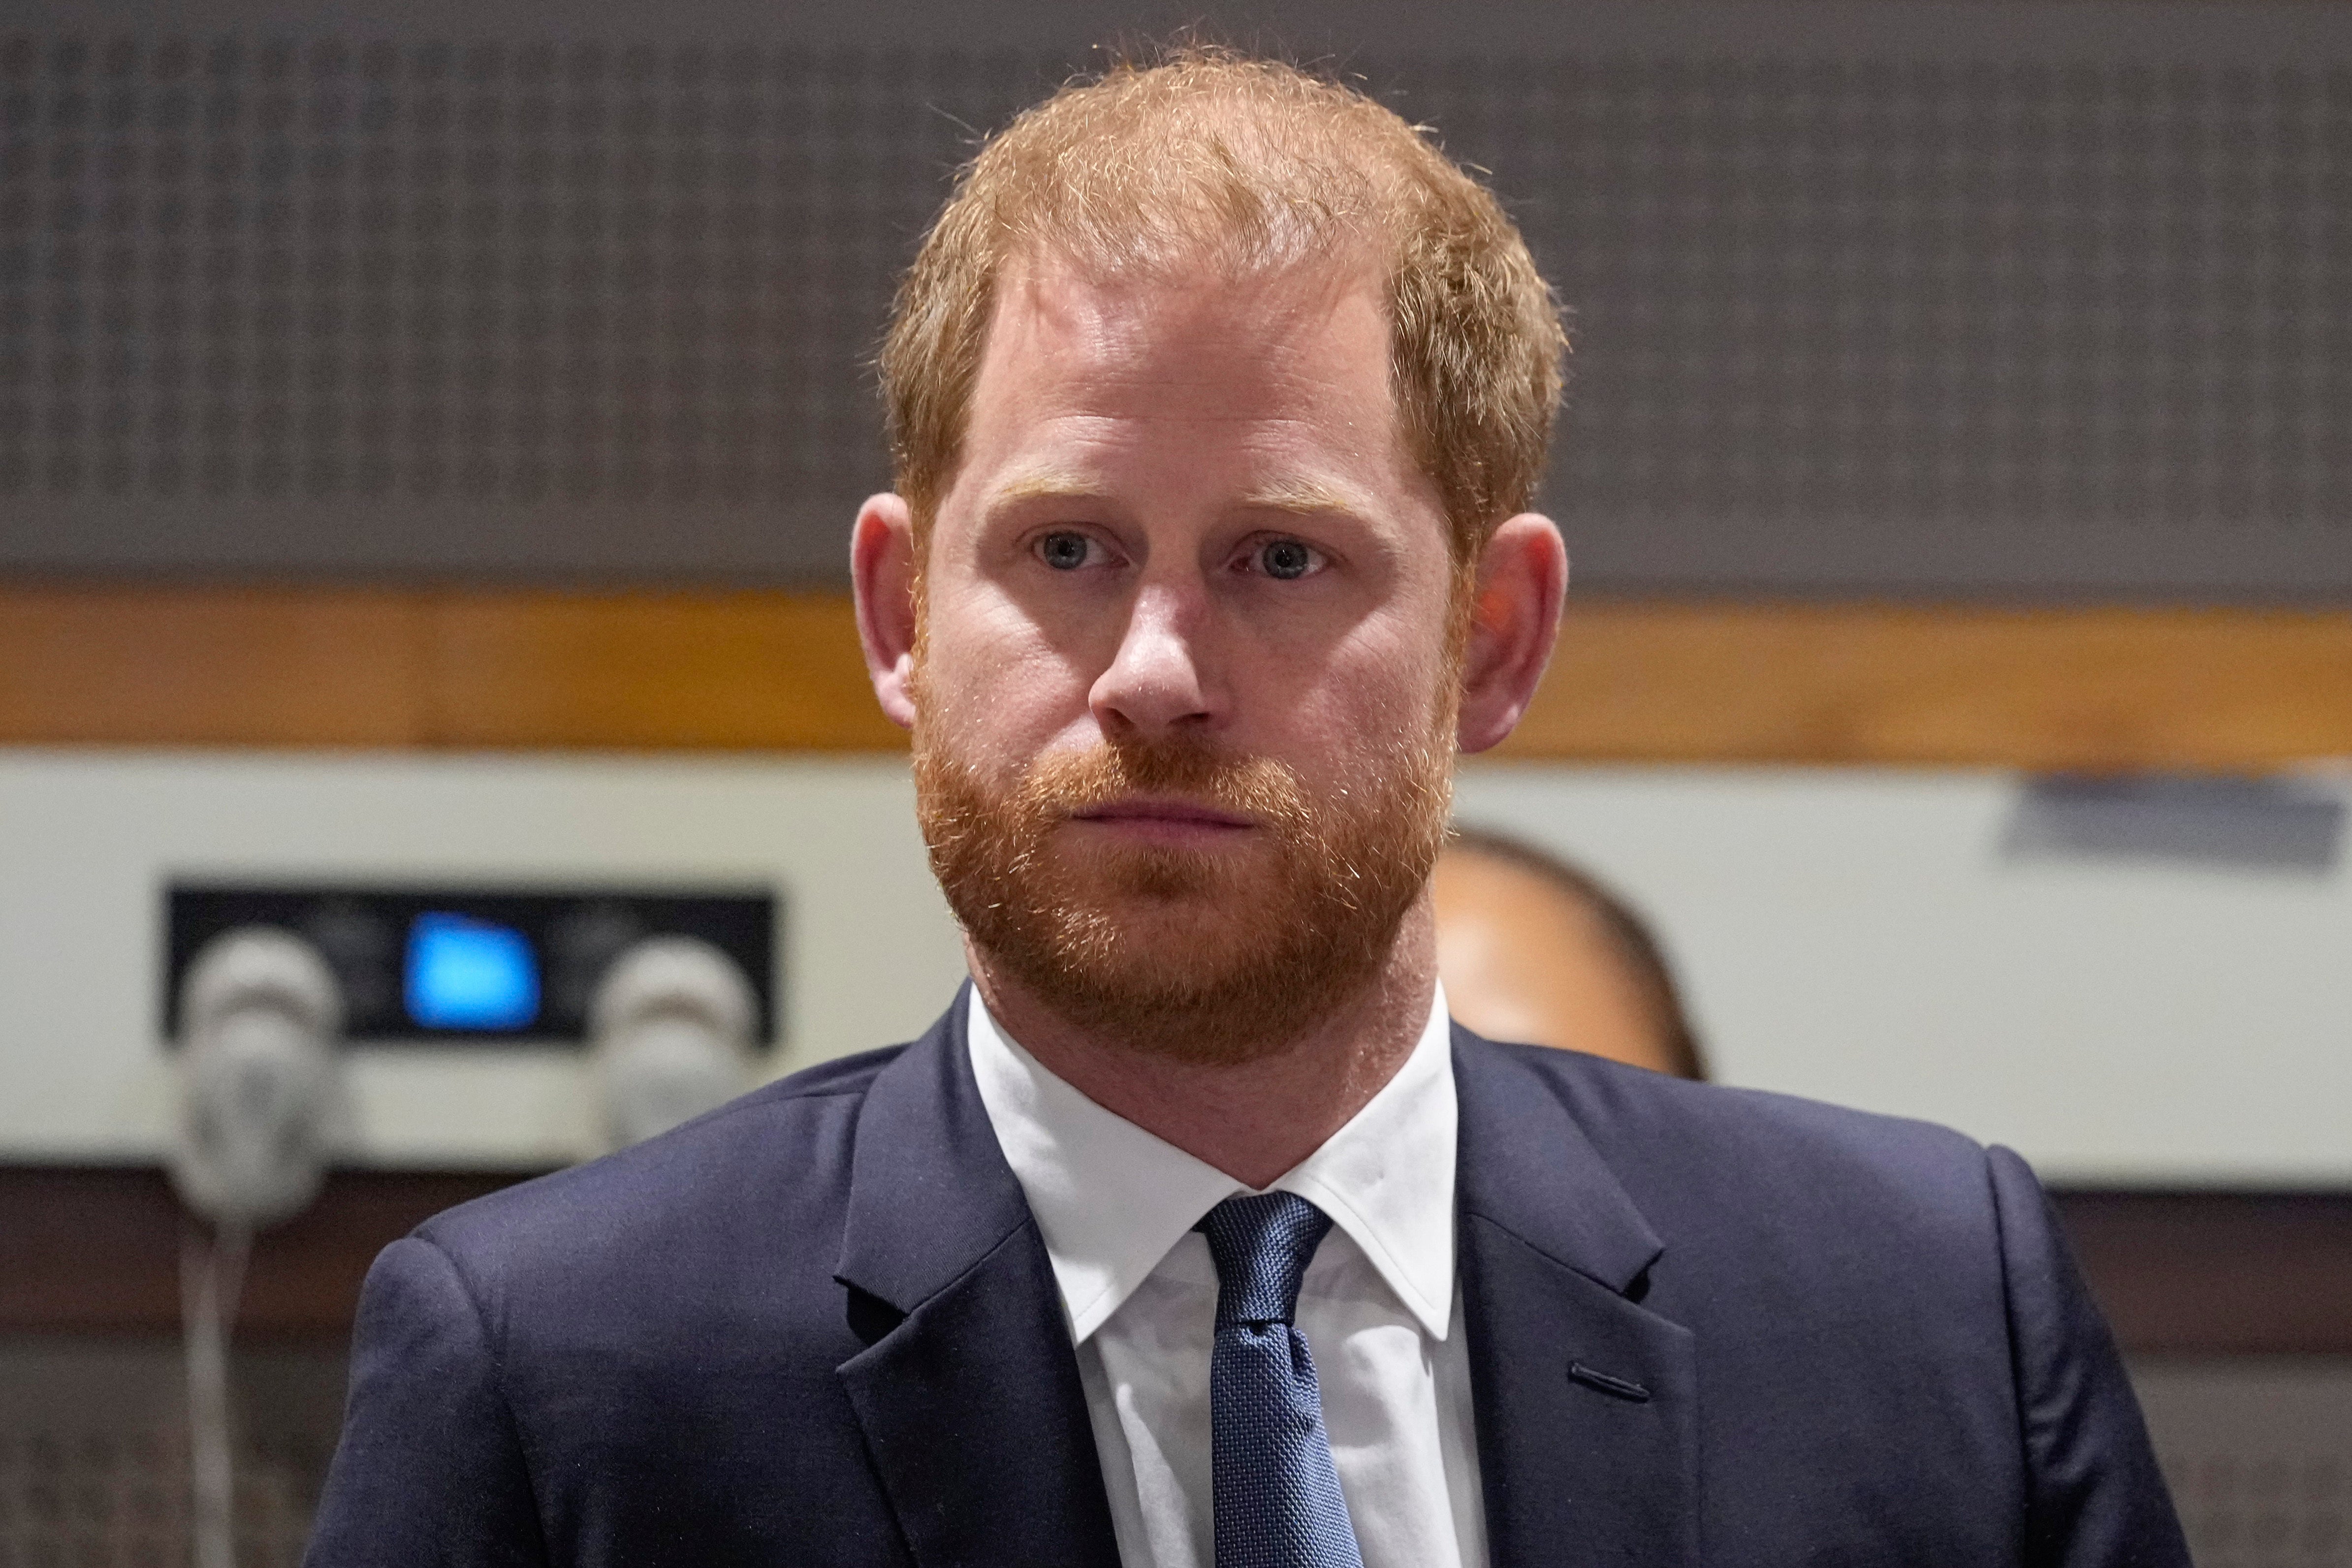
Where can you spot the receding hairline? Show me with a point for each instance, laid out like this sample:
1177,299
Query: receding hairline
1117,196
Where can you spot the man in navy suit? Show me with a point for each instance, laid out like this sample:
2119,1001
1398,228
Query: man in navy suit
1193,1233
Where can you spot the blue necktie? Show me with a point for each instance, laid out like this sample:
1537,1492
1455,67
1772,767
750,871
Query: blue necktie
1278,1494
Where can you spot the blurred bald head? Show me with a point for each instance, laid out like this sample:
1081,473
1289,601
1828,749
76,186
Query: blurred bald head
1532,949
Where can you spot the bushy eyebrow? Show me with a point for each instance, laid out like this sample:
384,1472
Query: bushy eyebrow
1304,498
1300,498
1044,485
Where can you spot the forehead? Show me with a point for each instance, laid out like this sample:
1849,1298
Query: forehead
1289,369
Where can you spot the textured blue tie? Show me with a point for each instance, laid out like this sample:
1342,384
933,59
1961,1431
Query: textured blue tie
1278,1494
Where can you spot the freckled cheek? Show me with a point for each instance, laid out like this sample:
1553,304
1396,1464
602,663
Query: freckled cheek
1347,718
1003,688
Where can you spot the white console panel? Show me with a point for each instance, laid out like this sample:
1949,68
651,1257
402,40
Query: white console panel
88,840
1853,935
1861,935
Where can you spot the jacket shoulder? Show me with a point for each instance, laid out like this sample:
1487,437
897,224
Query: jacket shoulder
776,1158
1709,1160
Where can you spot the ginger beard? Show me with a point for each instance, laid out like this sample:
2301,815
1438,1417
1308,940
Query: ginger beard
1208,956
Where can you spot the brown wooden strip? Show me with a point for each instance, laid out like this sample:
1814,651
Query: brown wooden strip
728,670
169,666
2096,689
2093,689
97,1248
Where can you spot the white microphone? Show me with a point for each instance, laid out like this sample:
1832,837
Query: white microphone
260,1018
671,1025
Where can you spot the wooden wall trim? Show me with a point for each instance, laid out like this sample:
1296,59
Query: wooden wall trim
96,1249
2098,689
2094,689
2217,1272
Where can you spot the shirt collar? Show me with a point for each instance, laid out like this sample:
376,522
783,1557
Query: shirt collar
1111,1198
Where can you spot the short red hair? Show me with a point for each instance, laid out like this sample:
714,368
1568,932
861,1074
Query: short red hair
1210,157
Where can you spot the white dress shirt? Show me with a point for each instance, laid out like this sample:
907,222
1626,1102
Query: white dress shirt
1380,1307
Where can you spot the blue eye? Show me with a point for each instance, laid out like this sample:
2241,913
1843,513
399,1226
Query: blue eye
1065,552
1286,558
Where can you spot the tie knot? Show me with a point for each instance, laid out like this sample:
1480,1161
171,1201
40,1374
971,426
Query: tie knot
1261,1245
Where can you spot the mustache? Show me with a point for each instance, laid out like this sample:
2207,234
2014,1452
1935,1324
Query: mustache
1259,787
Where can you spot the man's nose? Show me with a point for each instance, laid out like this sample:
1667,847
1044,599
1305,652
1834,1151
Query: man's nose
1160,680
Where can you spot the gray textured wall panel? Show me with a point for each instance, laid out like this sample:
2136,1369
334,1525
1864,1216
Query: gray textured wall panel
1974,299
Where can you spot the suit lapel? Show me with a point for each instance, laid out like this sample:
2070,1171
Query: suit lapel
967,1389
1586,1403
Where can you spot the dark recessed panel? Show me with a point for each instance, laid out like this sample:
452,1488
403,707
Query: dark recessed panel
2245,825
474,964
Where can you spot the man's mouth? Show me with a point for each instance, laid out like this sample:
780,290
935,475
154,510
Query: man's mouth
1163,818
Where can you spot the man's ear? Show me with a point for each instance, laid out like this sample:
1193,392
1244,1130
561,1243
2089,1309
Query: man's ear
882,565
1514,618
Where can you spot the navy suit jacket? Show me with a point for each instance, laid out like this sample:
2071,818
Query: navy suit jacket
818,1326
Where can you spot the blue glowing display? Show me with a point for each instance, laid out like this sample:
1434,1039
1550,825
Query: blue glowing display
465,973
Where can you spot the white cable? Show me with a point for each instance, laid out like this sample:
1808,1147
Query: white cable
259,1015
211,1277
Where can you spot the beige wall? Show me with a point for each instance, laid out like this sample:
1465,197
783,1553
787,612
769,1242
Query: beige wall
1852,935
